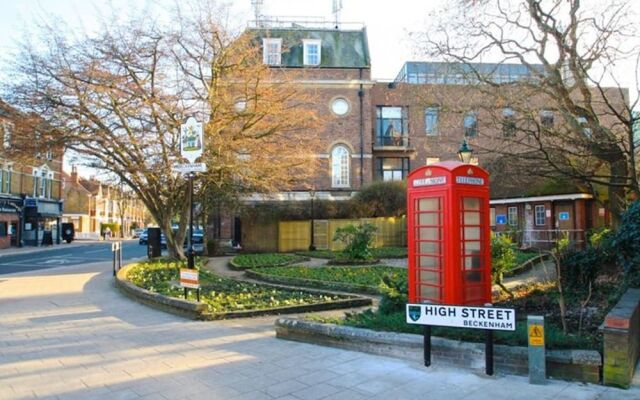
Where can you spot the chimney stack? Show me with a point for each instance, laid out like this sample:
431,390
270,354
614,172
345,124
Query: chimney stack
74,174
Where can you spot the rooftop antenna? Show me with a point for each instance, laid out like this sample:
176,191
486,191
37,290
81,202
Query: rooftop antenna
257,10
337,6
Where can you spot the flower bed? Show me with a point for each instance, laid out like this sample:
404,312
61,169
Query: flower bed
378,252
354,279
263,260
226,297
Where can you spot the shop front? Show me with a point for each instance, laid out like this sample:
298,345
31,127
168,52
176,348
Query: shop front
41,223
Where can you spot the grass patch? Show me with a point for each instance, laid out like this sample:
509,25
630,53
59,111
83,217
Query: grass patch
524,256
370,276
378,252
262,260
220,294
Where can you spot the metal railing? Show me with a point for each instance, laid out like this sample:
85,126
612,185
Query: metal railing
546,239
392,141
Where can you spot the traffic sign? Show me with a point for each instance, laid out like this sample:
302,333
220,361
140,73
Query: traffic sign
187,168
501,319
536,335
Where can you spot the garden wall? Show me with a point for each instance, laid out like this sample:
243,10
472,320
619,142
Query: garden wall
621,337
577,365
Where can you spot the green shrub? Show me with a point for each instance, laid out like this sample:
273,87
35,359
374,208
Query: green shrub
627,239
503,256
380,199
394,289
357,239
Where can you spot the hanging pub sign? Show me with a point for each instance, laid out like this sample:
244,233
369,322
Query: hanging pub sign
191,142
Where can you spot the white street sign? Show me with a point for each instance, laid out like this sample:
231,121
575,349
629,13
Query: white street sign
493,318
187,168
191,143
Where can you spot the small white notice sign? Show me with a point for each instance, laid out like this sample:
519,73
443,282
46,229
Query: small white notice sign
436,180
491,318
468,180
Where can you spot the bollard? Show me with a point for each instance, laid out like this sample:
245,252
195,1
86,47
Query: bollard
537,357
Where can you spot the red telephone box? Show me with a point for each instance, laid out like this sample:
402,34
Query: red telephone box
449,234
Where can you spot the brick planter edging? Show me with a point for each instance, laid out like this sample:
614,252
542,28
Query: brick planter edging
198,311
621,340
579,365
286,280
181,307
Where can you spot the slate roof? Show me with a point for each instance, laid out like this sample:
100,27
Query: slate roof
340,48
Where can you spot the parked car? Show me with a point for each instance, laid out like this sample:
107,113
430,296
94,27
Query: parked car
137,233
144,235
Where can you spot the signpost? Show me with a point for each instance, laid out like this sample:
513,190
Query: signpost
190,279
191,148
488,318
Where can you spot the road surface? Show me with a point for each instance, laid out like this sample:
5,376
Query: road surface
67,255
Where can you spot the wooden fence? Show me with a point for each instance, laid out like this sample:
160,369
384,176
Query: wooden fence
296,235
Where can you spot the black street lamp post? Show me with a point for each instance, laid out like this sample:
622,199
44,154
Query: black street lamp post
190,252
312,194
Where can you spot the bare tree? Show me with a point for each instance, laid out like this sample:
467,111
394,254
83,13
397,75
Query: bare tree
570,51
118,98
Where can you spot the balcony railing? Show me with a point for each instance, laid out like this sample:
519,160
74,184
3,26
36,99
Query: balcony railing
392,141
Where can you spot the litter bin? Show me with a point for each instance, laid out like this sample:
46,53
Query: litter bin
153,242
68,232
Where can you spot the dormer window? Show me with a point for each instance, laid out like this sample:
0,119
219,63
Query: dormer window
272,51
312,51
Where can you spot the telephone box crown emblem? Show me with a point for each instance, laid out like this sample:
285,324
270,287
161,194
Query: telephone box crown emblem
428,172
470,171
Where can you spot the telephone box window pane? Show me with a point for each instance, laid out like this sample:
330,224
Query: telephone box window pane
429,219
471,203
429,292
472,248
429,248
472,233
471,218
472,262
429,234
473,292
432,204
429,277
428,262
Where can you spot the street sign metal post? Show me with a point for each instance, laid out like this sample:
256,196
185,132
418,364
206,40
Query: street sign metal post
191,148
488,318
116,250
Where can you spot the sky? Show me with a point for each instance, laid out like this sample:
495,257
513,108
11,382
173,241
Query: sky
388,22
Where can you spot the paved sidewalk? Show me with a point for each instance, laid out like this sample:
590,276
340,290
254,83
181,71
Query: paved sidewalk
66,333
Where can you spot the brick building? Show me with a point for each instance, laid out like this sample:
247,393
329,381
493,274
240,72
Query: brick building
383,130
90,203
30,182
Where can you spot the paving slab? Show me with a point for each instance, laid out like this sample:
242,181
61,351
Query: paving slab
68,333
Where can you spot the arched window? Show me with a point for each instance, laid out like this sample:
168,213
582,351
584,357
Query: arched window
340,162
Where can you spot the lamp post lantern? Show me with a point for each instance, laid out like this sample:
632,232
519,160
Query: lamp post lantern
312,195
465,152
